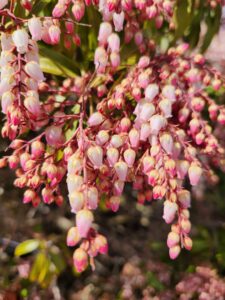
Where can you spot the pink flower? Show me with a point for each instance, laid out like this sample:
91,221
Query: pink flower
157,122
151,92
92,197
7,100
173,239
59,10
118,20
168,92
33,69
101,59
166,141
53,135
104,32
174,252
3,3
78,10
134,137
129,157
112,156
84,220
95,154
72,237
114,202
114,42
101,244
80,260
170,209
35,28
76,201
54,33
74,182
95,119
121,169
20,39
194,173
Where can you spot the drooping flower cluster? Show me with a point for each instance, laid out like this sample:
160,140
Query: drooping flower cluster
146,125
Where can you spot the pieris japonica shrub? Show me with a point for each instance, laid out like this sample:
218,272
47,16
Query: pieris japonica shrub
143,117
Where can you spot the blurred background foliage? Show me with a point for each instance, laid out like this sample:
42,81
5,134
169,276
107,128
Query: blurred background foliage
34,260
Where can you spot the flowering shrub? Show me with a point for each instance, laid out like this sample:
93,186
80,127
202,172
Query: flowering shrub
147,120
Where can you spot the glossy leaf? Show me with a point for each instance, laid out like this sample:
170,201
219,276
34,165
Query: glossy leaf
26,247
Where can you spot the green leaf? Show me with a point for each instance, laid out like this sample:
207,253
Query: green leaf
39,268
56,63
213,24
26,247
154,282
38,6
183,14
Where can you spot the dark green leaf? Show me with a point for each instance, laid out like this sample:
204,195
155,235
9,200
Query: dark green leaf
56,63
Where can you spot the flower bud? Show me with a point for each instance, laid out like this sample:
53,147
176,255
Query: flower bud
114,202
28,196
95,119
101,244
84,219
174,252
186,225
118,20
3,3
53,135
104,32
13,161
115,62
33,69
148,164
73,237
75,164
129,157
125,124
20,39
118,187
35,28
78,10
194,173
74,182
134,138
121,169
173,239
166,141
92,198
153,176
157,122
146,111
151,92
187,242
145,131
170,209
54,33
95,155
7,100
37,149
76,201
80,260
168,92
184,198
102,137
100,59
165,106
114,42
47,195
33,105
59,10
112,156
